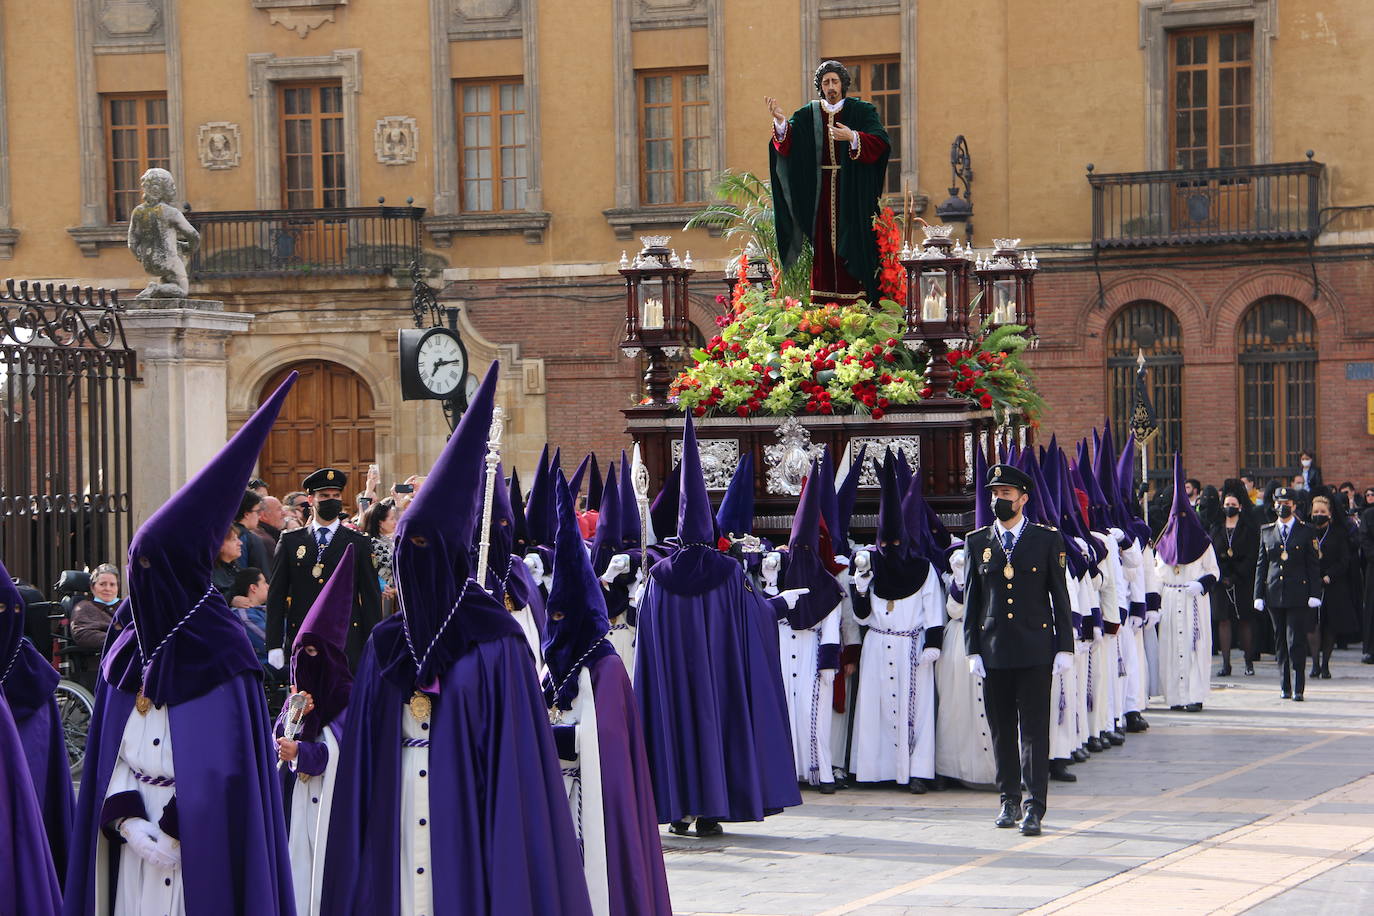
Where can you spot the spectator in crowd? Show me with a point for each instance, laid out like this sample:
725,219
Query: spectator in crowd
1252,491
379,524
254,551
248,601
298,503
1193,490
258,486
1337,615
226,562
1368,499
1235,538
369,494
1353,502
1209,507
271,520
1311,471
91,616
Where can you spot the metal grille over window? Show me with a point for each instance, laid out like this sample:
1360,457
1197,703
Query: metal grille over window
1150,328
1278,386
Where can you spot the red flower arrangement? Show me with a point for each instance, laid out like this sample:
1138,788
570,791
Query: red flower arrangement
891,273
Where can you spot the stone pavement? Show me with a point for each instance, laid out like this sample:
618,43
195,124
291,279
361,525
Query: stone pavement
1256,804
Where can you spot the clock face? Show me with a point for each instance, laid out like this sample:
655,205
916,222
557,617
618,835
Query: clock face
441,364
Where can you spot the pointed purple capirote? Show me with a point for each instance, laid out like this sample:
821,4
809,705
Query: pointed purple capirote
1098,507
830,500
695,523
804,567
606,540
631,534
1183,539
538,522
664,509
982,499
578,620
326,623
595,485
899,569
735,517
575,483
325,675
845,498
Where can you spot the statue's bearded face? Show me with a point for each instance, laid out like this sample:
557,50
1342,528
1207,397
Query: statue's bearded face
832,87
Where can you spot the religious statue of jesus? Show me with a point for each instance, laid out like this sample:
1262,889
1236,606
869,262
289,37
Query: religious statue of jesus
828,163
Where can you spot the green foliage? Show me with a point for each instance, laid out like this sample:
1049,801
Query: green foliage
744,211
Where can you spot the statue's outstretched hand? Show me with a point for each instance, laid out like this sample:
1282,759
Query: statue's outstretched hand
775,109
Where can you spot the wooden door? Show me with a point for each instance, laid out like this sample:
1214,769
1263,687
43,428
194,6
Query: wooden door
326,421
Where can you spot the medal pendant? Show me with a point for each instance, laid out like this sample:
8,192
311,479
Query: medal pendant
1284,556
1229,553
420,706
1008,572
891,605
510,604
142,704
300,552
987,554
317,570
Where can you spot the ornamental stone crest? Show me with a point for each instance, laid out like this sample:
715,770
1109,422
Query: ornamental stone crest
790,460
396,140
910,446
218,143
719,458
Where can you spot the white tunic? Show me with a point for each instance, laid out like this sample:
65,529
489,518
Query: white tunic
851,634
622,637
963,744
1135,696
1185,631
1151,633
145,753
312,799
894,716
582,781
809,699
525,617
417,883
1066,716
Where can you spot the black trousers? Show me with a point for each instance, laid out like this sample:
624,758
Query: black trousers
1017,701
1290,643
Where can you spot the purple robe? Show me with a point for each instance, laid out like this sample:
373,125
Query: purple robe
501,828
28,883
709,685
28,688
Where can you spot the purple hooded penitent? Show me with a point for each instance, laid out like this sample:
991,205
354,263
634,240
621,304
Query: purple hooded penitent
190,653
27,682
500,826
804,567
899,569
606,538
636,881
325,675
735,517
575,483
630,528
845,497
538,522
663,510
982,499
1183,539
28,880
707,676
595,485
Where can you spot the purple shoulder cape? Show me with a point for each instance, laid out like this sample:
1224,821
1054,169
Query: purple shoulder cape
709,685
28,882
502,828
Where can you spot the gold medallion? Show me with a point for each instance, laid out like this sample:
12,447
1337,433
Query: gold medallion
317,570
420,706
510,604
987,554
142,704
1008,571
1061,560
300,552
1284,556
1229,553
303,777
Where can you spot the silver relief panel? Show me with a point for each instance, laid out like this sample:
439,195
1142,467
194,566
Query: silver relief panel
719,458
910,446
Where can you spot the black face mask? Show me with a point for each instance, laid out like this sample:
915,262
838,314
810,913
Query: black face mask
1004,509
1232,511
1321,521
1285,511
326,510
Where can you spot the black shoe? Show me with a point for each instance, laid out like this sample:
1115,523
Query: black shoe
1030,824
1078,755
680,828
1249,669
1297,698
1225,671
1135,722
1326,673
826,788
1194,707
1007,818
1059,771
1316,670
917,786
1116,738
708,827
939,783
1106,742
1367,659
1285,694
1095,744
1176,708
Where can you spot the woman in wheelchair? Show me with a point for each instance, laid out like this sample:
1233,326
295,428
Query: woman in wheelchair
90,617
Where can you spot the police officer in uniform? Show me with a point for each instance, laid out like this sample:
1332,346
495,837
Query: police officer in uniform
304,561
1018,632
1288,584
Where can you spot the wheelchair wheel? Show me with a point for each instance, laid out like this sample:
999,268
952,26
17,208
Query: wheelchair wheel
75,709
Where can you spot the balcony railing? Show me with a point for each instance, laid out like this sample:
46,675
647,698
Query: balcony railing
278,243
1276,202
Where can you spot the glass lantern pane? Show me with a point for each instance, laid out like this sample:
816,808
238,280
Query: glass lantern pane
934,296
650,306
1004,301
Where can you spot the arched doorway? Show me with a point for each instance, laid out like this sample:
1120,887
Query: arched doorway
1278,387
1148,327
326,422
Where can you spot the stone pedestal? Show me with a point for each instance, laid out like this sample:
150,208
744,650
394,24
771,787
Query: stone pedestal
179,402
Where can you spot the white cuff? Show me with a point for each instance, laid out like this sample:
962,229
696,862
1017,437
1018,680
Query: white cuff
779,129
854,142
1259,604
1314,602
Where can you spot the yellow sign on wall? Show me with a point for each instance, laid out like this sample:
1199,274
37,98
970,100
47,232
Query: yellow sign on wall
1369,412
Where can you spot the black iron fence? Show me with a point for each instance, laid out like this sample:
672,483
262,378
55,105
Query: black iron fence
1277,202
66,373
340,240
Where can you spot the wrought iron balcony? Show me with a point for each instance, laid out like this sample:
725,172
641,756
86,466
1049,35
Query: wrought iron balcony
279,243
1276,202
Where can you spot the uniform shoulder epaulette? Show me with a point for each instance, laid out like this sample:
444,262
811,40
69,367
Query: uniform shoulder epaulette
980,530
1046,527
1268,525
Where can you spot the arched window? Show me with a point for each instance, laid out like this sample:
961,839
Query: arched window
1278,386
1150,328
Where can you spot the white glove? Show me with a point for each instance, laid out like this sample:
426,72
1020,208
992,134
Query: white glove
170,849
827,676
930,655
1117,534
1259,604
862,581
791,595
1193,588
975,667
1063,661
142,837
638,596
535,565
842,561
1137,623
771,562
1097,633
1151,618
276,658
1314,602
619,565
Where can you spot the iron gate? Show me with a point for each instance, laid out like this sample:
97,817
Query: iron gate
66,375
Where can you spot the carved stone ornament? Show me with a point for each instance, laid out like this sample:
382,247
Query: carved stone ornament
790,460
298,20
396,140
719,458
220,144
129,19
910,446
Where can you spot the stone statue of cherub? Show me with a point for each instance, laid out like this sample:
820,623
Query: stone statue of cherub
161,237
